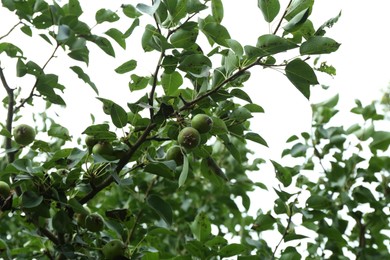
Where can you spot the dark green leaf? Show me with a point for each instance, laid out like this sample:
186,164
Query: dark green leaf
269,8
62,223
117,36
137,82
255,137
59,131
130,11
264,222
82,75
31,200
295,23
217,10
318,45
160,169
272,44
318,202
381,140
241,94
162,208
195,63
297,7
171,82
105,15
301,76
232,250
118,116
126,67
184,38
282,174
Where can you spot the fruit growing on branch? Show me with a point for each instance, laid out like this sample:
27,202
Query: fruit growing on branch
113,249
24,134
189,137
5,190
202,122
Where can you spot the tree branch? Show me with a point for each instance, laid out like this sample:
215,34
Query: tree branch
155,80
121,164
10,114
189,104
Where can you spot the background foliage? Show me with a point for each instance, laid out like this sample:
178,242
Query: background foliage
333,191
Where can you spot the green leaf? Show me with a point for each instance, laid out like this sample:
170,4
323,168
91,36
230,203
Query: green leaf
215,31
30,199
381,140
219,126
301,75
10,49
232,250
195,6
82,75
282,174
117,36
62,223
184,38
333,235
319,45
236,47
118,116
318,202
254,108
269,8
217,10
272,44
184,171
59,131
171,82
264,222
105,15
103,44
137,82
328,24
255,137
298,6
148,41
160,169
195,63
130,11
126,67
150,10
295,23
201,227
240,114
162,208
24,165
241,94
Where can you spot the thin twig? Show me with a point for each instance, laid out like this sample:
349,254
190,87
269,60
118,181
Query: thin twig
9,32
24,101
283,236
154,86
139,214
281,19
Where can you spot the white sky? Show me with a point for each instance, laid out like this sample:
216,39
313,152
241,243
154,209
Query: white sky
362,64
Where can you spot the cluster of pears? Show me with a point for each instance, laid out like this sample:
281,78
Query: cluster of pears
94,222
190,137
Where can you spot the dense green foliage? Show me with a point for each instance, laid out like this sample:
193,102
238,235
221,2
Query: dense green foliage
130,188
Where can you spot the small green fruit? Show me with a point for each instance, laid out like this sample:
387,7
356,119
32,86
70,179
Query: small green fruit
189,137
94,222
90,140
24,134
5,190
202,122
175,153
103,149
113,249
